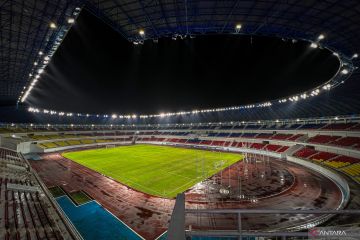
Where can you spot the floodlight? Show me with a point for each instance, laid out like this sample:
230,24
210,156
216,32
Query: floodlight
71,20
321,37
313,45
52,25
238,26
344,71
141,32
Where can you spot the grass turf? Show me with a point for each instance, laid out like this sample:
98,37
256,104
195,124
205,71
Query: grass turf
157,170
79,197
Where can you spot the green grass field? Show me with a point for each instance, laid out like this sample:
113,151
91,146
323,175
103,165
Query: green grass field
156,170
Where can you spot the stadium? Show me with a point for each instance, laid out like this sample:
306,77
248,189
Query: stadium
203,120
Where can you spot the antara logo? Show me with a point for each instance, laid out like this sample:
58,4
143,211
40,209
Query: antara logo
317,232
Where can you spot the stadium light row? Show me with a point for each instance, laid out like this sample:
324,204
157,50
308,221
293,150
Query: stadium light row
44,58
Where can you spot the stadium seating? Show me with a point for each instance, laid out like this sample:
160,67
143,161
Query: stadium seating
305,152
25,207
339,126
87,141
280,136
73,142
257,145
218,143
323,156
310,126
206,142
323,139
352,170
235,135
61,143
264,135
282,149
295,137
348,142
248,135
47,145
272,147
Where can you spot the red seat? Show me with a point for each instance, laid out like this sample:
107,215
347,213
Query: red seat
347,142
323,156
272,147
323,139
305,152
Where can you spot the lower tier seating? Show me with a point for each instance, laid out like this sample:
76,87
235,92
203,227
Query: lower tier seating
305,152
352,170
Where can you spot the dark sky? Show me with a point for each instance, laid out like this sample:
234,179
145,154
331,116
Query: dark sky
95,70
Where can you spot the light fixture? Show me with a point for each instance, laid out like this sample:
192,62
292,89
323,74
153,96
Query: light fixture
355,55
70,20
344,71
238,27
321,37
141,32
41,53
313,45
52,25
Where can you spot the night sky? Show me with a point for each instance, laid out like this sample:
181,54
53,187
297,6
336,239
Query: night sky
96,70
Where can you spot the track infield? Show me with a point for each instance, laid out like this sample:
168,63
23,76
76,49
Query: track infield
156,170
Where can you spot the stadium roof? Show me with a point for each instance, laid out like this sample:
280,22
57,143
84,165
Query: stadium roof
32,29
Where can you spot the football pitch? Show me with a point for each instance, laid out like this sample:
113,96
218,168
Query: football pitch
157,170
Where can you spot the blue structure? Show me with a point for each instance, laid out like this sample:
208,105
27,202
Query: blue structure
90,217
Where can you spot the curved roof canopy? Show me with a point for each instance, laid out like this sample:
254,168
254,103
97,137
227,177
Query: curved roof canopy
31,30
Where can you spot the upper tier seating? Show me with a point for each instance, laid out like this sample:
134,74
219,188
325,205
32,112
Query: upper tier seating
280,136
235,135
323,139
223,134
248,135
339,126
312,126
264,135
